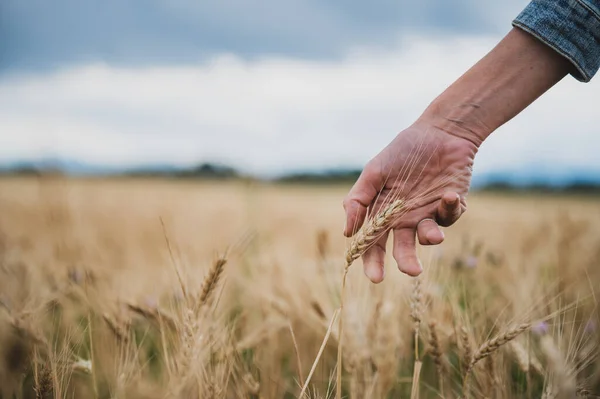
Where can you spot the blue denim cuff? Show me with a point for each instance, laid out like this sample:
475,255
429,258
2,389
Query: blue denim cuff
571,27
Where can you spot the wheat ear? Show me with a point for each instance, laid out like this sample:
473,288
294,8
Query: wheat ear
467,349
120,332
436,354
416,313
43,382
212,280
490,347
493,344
373,230
369,233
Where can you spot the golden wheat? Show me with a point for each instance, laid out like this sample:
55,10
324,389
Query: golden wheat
64,265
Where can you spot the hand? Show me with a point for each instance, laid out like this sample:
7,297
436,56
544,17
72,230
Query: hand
430,169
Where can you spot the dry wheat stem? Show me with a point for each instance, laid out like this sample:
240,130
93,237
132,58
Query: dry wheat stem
369,233
414,393
436,354
491,374
319,354
298,361
338,379
373,326
168,242
565,384
525,360
252,385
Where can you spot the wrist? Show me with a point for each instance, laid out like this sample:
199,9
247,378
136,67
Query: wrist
461,119
503,83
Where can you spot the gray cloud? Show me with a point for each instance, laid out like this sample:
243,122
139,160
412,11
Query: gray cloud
41,34
278,114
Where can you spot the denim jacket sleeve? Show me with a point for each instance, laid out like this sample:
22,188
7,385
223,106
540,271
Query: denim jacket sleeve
571,27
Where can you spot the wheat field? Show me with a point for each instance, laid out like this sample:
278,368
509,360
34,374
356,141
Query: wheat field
132,288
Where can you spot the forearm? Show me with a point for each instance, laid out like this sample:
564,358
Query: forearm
503,83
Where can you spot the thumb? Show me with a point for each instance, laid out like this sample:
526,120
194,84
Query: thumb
360,198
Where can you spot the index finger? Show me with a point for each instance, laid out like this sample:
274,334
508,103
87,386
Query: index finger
359,199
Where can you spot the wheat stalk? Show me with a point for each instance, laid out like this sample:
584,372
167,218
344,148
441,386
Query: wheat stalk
362,241
252,385
43,383
319,354
565,384
416,308
373,230
118,331
491,375
385,352
416,313
467,349
212,280
525,360
493,344
155,315
298,360
436,354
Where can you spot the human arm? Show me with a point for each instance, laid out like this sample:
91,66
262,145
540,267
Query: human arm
448,134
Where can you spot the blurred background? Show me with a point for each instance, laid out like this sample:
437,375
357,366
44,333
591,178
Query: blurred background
149,247
270,88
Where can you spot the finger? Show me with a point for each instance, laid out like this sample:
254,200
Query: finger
450,209
429,232
360,198
405,251
374,260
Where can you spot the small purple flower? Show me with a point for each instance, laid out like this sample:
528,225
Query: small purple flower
540,328
471,262
590,326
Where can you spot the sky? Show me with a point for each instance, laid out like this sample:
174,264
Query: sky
267,87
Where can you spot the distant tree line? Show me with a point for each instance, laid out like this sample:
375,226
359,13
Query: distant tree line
212,171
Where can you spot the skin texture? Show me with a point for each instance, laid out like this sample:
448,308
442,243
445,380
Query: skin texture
430,163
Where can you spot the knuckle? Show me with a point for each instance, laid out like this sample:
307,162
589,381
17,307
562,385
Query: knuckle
370,170
350,202
346,202
402,251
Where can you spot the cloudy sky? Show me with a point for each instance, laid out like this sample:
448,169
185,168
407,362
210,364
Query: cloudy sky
268,86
